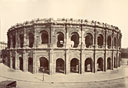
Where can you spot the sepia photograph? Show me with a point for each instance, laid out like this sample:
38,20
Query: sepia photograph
63,44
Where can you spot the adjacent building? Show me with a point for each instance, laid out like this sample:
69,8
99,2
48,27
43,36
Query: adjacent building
3,45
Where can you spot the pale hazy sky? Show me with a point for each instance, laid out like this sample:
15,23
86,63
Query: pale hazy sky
114,12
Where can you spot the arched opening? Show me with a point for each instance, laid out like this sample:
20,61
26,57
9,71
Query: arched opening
44,65
75,39
31,40
119,42
13,62
21,63
88,65
74,65
9,41
30,64
14,41
44,37
109,41
89,40
119,60
109,63
114,62
8,62
100,41
60,65
21,40
60,39
115,42
100,64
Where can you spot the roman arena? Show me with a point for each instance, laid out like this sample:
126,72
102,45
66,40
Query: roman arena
63,46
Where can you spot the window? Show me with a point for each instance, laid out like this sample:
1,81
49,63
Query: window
30,64
44,65
109,63
13,41
75,39
31,40
44,37
109,41
21,40
60,39
9,41
100,41
89,40
74,65
115,42
88,65
100,64
60,65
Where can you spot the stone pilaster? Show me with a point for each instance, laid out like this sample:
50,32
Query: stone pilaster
67,62
16,40
105,51
25,39
51,62
112,48
11,42
36,38
35,66
25,61
94,47
16,61
80,64
81,53
10,60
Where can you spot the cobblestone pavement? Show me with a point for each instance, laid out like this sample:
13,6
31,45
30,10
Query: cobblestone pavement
117,78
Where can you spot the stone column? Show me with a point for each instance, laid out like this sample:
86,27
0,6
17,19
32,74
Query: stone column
8,41
36,38
16,61
10,59
67,62
104,61
112,48
25,61
81,52
105,51
51,62
17,40
94,65
11,44
35,65
112,60
82,63
68,39
80,45
119,59
67,46
25,39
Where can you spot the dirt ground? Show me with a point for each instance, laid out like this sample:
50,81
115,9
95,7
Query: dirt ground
117,78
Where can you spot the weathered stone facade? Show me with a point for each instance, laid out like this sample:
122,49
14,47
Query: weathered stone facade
64,46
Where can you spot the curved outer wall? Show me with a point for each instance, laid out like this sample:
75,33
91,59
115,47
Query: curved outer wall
77,44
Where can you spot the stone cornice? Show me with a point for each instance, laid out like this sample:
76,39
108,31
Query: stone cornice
64,22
